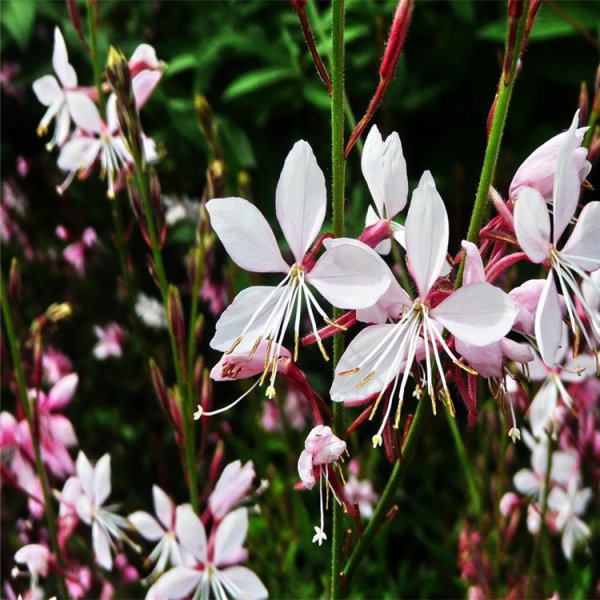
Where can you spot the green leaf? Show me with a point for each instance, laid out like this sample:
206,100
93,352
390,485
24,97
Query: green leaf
250,82
18,17
236,144
183,62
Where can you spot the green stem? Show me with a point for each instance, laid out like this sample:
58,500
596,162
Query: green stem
25,405
94,56
338,167
505,89
539,540
141,173
464,462
592,122
387,498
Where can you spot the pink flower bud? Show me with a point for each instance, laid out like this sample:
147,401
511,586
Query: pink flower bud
324,446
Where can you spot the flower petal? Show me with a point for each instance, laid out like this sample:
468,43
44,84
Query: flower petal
175,583
583,246
47,90
301,199
143,85
191,532
85,473
230,536
102,480
62,392
426,232
60,61
566,182
395,179
101,545
548,322
526,482
350,274
478,314
84,112
146,525
372,168
246,581
246,235
78,153
474,271
163,507
542,408
532,224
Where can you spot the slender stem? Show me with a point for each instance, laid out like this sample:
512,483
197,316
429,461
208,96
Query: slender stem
387,498
141,173
338,167
464,462
25,405
505,89
94,54
592,122
539,540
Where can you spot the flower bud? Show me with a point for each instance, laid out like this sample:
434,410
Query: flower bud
244,185
159,385
175,313
58,312
584,103
75,19
14,282
204,116
396,39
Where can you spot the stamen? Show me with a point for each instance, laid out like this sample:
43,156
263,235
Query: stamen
255,347
366,379
234,345
334,324
349,372
212,413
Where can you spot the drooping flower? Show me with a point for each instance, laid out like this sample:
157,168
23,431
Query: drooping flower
579,255
212,570
348,274
478,314
37,558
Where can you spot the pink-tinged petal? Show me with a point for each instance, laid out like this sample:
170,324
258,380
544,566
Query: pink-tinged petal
36,557
532,224
62,392
145,55
101,545
47,90
478,314
78,154
60,61
389,306
372,168
516,352
350,274
548,322
232,486
566,182
230,536
85,473
344,387
527,297
232,322
146,525
244,582
62,430
246,235
191,532
324,446
583,246
102,485
175,584
542,408
306,471
84,112
372,217
486,360
474,271
526,482
301,199
143,85
163,507
579,368
426,234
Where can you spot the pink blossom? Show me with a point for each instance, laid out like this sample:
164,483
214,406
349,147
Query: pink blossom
110,341
360,492
232,486
55,365
37,559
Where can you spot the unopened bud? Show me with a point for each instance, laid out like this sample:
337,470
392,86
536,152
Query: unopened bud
244,185
58,312
75,19
216,175
515,9
14,282
37,360
214,471
198,326
175,313
198,374
298,4
584,104
204,116
206,389
594,150
159,385
396,39
152,267
155,192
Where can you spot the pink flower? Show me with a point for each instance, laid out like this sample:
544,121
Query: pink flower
477,314
579,255
110,341
75,253
232,486
37,558
212,566
146,72
360,492
348,274
55,365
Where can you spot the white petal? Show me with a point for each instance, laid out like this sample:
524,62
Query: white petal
112,119
350,274
85,473
146,525
548,322
60,61
101,545
191,532
575,532
526,482
247,582
238,313
63,125
102,480
565,467
230,535
47,90
163,506
583,247
478,314
344,387
174,584
542,408
78,153
426,234
474,271
372,168
389,306
532,224
566,182
581,500
84,112
246,235
395,179
301,199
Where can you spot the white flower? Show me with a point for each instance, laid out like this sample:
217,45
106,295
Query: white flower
150,311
